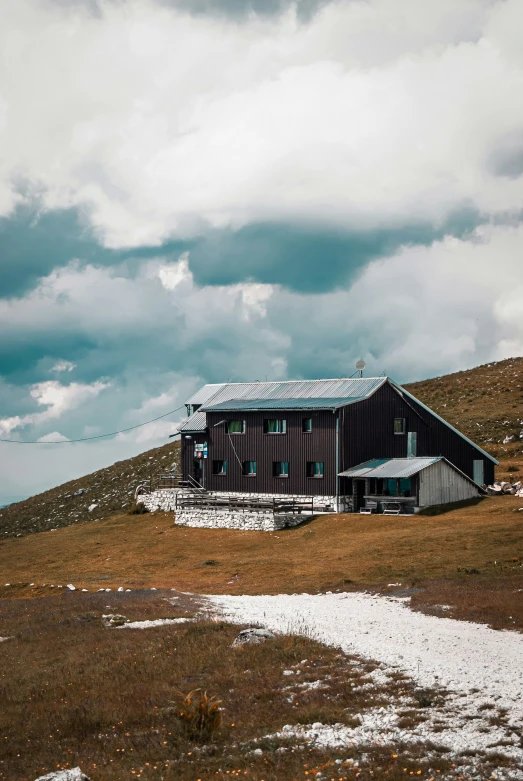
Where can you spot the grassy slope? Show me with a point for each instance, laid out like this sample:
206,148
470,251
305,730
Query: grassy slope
110,489
485,403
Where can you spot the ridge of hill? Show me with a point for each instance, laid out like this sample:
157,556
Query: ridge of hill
93,497
484,403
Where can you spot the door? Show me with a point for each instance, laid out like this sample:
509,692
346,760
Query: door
479,473
360,494
197,470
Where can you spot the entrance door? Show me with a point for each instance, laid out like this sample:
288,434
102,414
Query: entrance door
360,494
197,470
479,477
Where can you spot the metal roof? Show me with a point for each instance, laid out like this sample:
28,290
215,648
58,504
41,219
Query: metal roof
244,405
442,420
288,389
194,423
390,467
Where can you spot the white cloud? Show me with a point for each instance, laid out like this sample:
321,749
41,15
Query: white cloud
57,399
374,113
63,366
54,436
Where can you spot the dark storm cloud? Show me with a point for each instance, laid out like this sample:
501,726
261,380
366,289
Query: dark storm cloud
307,259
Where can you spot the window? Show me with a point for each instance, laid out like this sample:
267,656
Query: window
219,467
391,487
249,468
235,427
314,468
399,425
271,426
306,425
280,468
412,444
405,486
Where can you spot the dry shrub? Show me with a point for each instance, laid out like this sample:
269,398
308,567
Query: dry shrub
199,714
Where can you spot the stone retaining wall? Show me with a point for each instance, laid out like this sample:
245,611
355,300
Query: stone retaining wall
229,517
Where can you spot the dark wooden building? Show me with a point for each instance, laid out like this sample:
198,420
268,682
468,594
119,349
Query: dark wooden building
298,437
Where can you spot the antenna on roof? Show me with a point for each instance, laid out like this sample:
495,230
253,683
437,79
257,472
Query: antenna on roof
360,365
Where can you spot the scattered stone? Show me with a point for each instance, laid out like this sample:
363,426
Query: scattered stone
80,492
71,587
253,637
120,588
65,775
3,639
114,619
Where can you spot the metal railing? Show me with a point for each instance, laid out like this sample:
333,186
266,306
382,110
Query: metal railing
248,504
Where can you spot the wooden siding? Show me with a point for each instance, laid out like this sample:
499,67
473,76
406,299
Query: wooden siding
367,431
440,484
294,446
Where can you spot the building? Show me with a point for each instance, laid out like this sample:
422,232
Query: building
346,442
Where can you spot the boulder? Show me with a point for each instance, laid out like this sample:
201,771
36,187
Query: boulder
253,637
64,775
113,619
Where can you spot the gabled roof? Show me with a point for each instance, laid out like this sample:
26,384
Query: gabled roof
397,468
390,467
346,388
246,405
321,394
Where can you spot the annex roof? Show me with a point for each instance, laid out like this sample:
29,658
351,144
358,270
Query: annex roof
390,467
194,423
248,405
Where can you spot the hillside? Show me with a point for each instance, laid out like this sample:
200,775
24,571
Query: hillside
90,498
485,403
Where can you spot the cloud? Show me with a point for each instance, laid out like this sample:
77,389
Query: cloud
57,399
53,437
369,116
63,366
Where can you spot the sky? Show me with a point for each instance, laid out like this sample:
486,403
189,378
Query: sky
198,191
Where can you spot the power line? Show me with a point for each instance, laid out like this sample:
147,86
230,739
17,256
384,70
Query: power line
88,439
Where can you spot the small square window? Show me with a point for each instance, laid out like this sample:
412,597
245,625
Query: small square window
273,426
314,468
219,467
280,468
399,425
235,427
249,468
306,425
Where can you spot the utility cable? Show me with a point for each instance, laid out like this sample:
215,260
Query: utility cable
88,439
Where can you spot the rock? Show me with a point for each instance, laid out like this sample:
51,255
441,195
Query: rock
71,587
80,492
64,775
114,619
253,636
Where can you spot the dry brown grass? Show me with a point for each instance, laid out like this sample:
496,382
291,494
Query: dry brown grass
332,551
75,693
329,553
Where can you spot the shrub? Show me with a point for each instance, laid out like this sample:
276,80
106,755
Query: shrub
200,715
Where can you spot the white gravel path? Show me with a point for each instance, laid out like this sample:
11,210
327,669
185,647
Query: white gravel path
481,665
